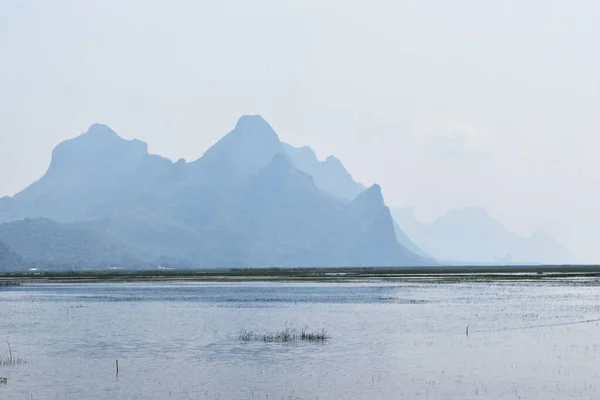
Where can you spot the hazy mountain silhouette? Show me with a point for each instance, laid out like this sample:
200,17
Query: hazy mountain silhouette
91,175
330,175
45,243
243,203
542,247
249,147
9,260
471,235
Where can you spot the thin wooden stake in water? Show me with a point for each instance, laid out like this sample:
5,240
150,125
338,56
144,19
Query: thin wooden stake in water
9,352
117,364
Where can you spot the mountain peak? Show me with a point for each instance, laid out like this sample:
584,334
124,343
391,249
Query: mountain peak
254,129
375,188
333,160
308,150
98,146
97,129
248,148
254,124
376,193
371,196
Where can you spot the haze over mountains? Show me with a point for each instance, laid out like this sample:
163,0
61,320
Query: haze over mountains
471,235
249,201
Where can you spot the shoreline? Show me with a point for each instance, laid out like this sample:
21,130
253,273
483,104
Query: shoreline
330,275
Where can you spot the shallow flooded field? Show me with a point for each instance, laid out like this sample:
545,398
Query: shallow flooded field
527,339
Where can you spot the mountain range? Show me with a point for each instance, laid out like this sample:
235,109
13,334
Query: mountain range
249,201
472,236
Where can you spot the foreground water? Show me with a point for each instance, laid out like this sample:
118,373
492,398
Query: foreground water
527,339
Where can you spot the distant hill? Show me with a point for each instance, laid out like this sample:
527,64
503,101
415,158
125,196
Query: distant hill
48,244
542,247
471,235
104,200
9,260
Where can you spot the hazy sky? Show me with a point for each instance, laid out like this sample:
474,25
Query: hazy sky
444,103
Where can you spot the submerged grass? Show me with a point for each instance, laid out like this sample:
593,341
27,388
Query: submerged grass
285,335
9,359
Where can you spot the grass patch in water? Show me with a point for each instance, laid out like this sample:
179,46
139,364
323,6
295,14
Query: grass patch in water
285,335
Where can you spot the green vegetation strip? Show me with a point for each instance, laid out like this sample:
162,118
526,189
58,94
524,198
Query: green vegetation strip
446,274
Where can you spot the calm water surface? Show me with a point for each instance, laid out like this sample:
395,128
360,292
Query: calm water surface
527,340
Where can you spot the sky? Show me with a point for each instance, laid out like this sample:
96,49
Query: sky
444,104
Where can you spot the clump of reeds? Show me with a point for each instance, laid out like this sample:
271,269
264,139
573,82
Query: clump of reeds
285,335
314,336
8,359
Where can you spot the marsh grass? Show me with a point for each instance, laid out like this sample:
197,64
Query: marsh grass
9,359
285,335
